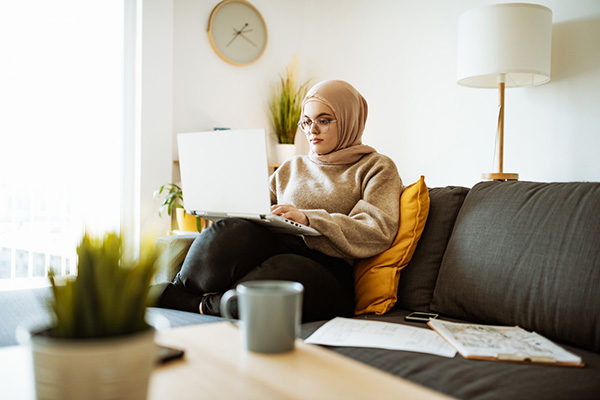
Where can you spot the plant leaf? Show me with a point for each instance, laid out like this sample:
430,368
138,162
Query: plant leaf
109,295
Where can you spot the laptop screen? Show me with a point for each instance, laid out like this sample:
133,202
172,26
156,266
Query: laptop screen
225,171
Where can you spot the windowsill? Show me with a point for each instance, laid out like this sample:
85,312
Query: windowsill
23,283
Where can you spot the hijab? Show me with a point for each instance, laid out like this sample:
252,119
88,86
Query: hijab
350,109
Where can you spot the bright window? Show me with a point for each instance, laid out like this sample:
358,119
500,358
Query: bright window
61,86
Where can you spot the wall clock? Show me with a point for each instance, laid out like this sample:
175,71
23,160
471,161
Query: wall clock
237,32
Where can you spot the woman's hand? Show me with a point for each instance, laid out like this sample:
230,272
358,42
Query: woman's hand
290,212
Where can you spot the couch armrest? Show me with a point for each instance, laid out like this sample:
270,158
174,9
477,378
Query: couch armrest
172,250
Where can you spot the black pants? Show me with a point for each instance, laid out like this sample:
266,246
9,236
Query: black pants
235,250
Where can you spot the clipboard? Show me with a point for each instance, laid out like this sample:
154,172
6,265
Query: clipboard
503,343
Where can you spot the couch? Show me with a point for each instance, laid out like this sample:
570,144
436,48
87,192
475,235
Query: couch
501,253
506,253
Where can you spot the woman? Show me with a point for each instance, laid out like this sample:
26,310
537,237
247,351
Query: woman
343,189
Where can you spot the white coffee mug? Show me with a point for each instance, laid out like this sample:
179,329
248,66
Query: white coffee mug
270,313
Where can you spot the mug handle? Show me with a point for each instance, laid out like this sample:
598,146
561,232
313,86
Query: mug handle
229,295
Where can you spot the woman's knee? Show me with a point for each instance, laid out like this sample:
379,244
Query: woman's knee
225,233
223,253
324,296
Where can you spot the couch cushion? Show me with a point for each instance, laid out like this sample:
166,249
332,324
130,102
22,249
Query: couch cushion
477,379
526,254
417,280
376,278
173,249
31,306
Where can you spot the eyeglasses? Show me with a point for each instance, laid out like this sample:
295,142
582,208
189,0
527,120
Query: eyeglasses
322,125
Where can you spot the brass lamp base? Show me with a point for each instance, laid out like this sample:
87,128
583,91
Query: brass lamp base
499,176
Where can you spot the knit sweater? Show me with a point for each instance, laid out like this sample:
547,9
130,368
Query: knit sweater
355,206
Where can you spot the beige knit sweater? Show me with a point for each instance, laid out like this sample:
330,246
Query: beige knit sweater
355,206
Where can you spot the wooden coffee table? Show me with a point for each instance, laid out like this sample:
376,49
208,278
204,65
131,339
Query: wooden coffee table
216,367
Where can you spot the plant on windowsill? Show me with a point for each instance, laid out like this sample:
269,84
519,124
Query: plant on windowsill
97,340
174,201
285,107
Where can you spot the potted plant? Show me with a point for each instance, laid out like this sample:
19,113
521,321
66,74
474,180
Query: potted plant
285,107
97,341
174,201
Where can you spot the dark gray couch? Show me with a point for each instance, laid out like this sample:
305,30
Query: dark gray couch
509,253
506,253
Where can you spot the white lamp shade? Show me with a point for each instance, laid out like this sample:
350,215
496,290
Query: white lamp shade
509,41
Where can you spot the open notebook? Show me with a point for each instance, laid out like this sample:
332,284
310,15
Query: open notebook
224,174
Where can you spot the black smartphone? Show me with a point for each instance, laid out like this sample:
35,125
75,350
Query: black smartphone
420,316
166,354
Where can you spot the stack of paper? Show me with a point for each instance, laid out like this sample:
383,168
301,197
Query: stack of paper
503,343
383,335
487,342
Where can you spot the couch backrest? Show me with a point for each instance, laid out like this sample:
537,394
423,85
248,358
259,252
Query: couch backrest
417,279
527,254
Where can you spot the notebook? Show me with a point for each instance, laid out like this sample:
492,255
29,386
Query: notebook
225,174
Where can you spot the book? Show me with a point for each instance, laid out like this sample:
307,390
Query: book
503,343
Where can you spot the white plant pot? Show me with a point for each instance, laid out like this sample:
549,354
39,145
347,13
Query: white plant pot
92,369
284,152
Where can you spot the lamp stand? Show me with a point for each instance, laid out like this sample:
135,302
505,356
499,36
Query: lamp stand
500,175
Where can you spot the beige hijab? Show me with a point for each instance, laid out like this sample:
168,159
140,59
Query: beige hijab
350,110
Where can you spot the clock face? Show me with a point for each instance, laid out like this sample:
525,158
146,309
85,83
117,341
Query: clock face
237,32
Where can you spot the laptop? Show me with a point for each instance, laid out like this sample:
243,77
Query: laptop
225,174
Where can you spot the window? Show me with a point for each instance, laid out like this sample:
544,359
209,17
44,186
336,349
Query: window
61,102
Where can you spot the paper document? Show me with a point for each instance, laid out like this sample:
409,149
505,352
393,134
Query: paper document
505,343
382,335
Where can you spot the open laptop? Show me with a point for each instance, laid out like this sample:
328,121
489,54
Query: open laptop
225,174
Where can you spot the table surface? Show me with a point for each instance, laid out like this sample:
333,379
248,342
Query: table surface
215,367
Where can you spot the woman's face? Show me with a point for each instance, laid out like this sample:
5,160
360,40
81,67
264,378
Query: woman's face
320,142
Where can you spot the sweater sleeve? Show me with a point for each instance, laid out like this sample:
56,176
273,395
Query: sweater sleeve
372,224
273,188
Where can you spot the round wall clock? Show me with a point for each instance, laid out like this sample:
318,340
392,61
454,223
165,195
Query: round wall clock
237,32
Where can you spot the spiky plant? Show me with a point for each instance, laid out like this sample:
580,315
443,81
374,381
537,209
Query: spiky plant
285,104
109,295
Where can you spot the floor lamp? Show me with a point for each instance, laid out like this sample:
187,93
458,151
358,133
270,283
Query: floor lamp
504,46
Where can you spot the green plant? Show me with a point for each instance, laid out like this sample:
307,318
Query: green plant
172,201
109,295
285,104
173,198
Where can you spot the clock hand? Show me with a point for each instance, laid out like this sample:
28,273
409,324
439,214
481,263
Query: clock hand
234,37
237,33
251,42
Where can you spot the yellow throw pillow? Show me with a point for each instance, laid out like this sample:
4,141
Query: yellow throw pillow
376,278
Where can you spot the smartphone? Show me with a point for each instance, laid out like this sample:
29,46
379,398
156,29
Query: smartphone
420,316
166,354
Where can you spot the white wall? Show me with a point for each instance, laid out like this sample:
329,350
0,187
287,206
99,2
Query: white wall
155,114
210,93
401,54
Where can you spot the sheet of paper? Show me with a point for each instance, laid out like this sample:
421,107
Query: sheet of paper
383,335
474,340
